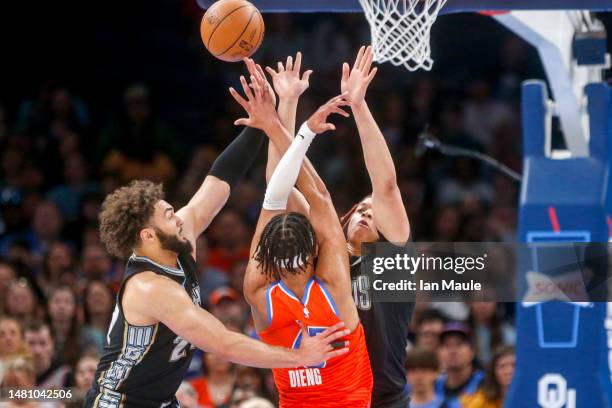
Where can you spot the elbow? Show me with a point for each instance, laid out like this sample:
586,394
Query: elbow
323,192
224,353
387,187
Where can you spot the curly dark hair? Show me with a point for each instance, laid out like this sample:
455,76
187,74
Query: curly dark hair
286,237
125,212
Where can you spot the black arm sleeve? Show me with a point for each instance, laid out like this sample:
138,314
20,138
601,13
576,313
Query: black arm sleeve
233,162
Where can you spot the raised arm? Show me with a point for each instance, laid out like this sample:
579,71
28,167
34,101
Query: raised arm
288,86
387,206
231,165
200,328
309,182
262,115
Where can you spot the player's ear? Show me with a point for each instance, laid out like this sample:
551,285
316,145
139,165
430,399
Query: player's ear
147,234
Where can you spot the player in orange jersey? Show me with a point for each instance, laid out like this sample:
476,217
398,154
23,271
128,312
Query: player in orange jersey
297,279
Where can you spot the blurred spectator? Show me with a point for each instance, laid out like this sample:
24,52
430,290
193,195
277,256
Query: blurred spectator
422,101
13,162
12,342
490,331
464,184
18,373
456,355
96,263
46,228
187,396
246,199
421,373
452,310
256,403
231,240
236,274
482,114
68,195
7,276
201,160
50,373
252,379
215,387
85,372
55,111
56,260
139,145
428,329
227,305
447,223
496,383
12,217
98,303
211,277
70,341
21,302
392,123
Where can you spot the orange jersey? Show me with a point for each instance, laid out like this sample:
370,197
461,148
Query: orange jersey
344,381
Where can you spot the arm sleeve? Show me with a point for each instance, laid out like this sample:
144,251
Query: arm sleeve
287,171
237,158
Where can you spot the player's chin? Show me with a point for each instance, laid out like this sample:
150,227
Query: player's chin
364,236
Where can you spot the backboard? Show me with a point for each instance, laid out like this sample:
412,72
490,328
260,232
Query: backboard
452,6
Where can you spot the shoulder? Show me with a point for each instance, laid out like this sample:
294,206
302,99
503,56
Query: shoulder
147,284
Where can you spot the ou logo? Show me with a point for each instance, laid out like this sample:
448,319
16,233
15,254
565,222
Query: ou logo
553,392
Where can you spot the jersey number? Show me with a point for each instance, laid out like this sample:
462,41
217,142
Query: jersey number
179,350
312,331
361,292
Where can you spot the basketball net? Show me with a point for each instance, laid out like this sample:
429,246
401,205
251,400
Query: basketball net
400,30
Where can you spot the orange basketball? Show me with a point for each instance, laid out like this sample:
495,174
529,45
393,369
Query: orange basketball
232,29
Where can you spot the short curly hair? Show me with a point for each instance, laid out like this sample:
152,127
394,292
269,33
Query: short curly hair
125,212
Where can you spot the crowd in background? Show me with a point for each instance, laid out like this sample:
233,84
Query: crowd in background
61,152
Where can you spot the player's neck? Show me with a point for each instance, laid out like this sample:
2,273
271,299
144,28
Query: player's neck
353,250
297,283
158,255
422,396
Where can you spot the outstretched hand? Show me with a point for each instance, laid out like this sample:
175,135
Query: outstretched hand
259,103
318,121
257,72
323,346
355,81
287,81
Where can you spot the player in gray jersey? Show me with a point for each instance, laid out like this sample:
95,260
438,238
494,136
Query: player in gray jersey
158,316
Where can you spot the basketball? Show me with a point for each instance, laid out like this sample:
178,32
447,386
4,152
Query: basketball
232,29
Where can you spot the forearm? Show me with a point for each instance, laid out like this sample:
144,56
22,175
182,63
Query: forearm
238,157
207,202
309,183
206,332
287,109
377,157
243,350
